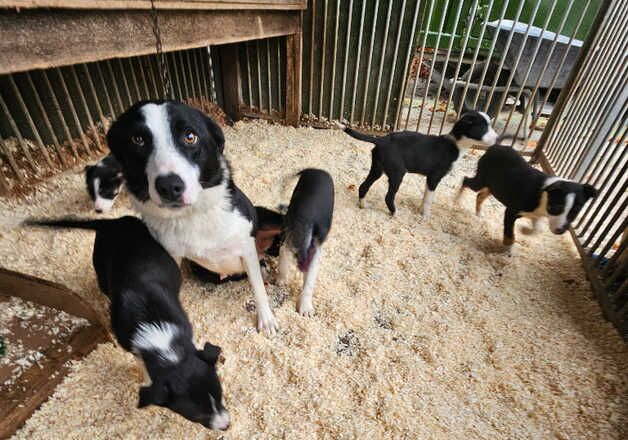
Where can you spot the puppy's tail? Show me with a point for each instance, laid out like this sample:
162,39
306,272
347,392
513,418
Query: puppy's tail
360,136
73,223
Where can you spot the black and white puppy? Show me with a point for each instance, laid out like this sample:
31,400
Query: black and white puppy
143,281
526,191
179,181
432,156
304,230
104,180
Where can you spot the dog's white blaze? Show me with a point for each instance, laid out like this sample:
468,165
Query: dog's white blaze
220,420
157,336
165,157
558,222
490,137
100,203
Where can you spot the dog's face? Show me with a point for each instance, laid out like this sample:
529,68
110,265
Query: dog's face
168,152
103,185
193,391
475,127
565,199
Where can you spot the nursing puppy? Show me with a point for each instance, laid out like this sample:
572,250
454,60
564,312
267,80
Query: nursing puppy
147,319
526,191
432,156
305,228
179,181
103,180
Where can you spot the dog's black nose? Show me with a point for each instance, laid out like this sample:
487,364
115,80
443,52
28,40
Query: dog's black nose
170,187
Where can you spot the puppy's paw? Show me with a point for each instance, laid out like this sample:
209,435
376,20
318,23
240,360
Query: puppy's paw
266,323
306,309
526,230
362,204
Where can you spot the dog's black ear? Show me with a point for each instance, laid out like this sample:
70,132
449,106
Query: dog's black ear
216,132
209,353
155,394
589,191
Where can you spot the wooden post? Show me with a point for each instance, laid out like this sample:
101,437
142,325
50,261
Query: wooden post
231,80
293,79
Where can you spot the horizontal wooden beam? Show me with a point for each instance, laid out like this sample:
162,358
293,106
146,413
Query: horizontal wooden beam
40,39
159,4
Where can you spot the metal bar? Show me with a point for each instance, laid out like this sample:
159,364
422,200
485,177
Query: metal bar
381,63
475,58
346,60
125,82
269,82
105,89
86,107
357,63
532,60
173,61
615,235
408,58
203,66
429,77
312,42
181,65
609,225
321,90
197,70
134,79
144,77
610,265
279,79
92,89
573,79
490,55
212,82
503,55
420,62
368,65
394,65
190,74
115,85
602,26
29,119
544,69
11,160
153,78
44,115
18,135
77,122
248,70
333,63
513,70
57,107
457,71
259,76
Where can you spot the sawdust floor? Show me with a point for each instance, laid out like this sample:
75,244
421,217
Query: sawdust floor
424,329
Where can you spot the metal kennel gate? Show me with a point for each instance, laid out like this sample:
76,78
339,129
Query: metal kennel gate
587,142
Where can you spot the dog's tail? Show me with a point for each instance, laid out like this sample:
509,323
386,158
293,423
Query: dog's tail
73,223
360,136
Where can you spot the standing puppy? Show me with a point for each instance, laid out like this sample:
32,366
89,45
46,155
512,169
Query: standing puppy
180,182
147,319
433,156
306,225
526,191
103,180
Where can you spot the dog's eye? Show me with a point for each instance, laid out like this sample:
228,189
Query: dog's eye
137,140
190,137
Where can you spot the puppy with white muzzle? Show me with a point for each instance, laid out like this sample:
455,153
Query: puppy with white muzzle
526,191
432,156
104,180
180,182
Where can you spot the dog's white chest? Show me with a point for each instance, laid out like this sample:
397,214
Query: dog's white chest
213,234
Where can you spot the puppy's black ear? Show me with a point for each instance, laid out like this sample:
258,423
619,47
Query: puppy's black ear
209,353
155,394
589,191
216,132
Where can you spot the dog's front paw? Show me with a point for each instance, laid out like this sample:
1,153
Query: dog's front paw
266,323
362,204
306,308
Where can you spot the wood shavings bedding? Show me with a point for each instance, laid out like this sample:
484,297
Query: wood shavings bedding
423,328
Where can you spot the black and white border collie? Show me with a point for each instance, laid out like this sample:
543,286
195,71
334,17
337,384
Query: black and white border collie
432,156
147,319
304,229
103,180
526,191
181,184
